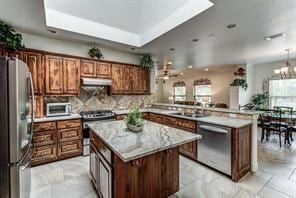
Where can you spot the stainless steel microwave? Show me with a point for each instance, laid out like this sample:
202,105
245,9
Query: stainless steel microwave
58,109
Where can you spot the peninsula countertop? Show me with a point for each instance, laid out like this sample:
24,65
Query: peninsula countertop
129,145
219,120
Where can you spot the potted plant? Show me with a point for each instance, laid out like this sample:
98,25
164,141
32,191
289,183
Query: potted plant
95,52
147,62
240,82
134,121
9,38
260,101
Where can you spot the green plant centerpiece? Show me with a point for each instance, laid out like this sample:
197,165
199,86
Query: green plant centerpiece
240,82
9,38
134,121
95,52
147,62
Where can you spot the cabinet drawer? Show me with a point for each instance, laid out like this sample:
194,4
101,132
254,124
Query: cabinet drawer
70,134
44,154
93,140
44,138
44,126
184,124
68,149
160,119
105,152
69,124
145,116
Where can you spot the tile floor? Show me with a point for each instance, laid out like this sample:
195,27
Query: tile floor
276,177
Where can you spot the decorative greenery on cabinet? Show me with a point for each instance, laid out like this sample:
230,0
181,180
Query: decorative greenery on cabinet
240,82
95,52
11,39
260,101
147,62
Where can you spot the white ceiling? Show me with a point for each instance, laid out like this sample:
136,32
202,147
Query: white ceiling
129,22
243,44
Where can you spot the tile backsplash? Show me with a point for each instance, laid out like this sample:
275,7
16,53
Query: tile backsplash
96,98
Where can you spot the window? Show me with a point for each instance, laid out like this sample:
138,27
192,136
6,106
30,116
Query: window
282,93
202,91
179,91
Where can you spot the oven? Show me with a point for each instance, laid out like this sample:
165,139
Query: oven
90,117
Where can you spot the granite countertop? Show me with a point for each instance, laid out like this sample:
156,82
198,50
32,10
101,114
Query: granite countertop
223,121
129,146
225,110
56,118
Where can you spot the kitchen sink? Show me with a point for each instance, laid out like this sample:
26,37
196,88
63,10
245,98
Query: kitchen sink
189,115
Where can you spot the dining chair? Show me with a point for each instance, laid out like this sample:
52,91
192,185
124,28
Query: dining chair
271,121
287,117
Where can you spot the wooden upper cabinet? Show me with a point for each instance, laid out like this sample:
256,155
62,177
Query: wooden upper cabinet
145,81
137,80
103,70
35,64
127,79
15,54
116,73
88,68
53,74
71,72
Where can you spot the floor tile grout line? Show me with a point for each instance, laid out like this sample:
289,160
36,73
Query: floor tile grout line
294,171
265,185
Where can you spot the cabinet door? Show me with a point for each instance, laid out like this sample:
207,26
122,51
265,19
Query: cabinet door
104,177
127,79
92,164
88,68
44,154
53,74
136,80
189,150
35,64
116,73
71,72
39,108
145,81
103,70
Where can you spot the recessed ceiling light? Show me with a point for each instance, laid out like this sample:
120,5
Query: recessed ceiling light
172,49
230,26
211,35
195,40
51,31
269,38
181,73
169,63
133,48
189,66
166,77
206,69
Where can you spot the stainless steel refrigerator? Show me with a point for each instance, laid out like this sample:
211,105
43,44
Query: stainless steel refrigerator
16,128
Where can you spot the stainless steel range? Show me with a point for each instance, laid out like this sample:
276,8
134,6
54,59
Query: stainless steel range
90,117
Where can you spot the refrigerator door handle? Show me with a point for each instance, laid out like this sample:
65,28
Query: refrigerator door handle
29,159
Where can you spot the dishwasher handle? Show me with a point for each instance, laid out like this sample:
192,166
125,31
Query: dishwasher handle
214,129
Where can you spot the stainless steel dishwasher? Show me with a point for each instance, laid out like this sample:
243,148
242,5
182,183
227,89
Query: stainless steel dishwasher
214,149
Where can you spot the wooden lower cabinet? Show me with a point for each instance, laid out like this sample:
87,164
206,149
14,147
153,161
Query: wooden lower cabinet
45,154
120,117
241,152
44,138
57,140
70,149
155,175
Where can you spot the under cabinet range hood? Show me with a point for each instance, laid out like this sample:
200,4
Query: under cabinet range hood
96,82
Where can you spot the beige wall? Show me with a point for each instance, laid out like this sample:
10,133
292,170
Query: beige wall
77,49
220,86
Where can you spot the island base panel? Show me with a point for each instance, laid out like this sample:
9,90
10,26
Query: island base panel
156,175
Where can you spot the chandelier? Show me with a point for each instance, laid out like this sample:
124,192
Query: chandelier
288,71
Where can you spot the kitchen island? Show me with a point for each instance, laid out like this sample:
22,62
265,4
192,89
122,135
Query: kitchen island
127,164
